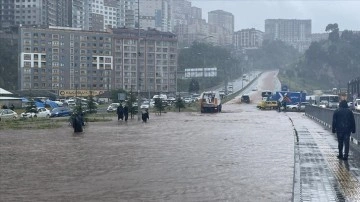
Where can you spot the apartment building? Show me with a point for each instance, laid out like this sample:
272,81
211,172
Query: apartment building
248,39
60,58
292,31
156,14
34,12
221,26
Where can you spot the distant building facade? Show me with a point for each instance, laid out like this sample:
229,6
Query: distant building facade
296,33
156,14
248,39
221,26
59,58
34,12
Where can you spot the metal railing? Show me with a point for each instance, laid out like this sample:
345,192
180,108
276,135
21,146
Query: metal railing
325,115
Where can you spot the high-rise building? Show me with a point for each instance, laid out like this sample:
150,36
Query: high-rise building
248,39
34,12
221,26
60,58
7,11
181,12
292,31
156,14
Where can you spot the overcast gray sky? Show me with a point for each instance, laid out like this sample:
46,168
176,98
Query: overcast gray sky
252,13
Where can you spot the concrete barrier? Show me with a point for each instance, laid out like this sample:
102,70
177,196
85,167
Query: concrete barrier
324,116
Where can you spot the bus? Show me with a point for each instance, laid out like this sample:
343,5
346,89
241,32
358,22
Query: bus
266,94
329,101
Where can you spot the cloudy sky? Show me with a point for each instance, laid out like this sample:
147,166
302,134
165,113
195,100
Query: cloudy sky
252,13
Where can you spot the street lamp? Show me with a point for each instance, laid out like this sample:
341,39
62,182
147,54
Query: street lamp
138,64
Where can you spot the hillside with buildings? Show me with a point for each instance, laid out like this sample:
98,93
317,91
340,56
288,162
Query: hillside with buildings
135,45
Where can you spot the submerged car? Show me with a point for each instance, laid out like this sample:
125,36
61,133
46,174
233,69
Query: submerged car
7,114
61,111
38,112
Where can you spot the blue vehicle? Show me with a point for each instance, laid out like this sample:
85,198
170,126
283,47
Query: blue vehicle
61,111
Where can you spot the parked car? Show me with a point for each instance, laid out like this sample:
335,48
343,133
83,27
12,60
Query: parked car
112,107
145,105
188,100
7,114
38,112
61,111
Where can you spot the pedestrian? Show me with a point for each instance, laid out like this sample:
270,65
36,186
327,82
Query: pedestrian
120,112
12,107
343,124
279,105
126,112
145,115
77,123
4,107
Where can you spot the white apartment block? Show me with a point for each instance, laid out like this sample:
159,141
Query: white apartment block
291,31
98,15
248,39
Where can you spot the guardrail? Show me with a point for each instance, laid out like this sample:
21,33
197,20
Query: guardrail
233,95
325,115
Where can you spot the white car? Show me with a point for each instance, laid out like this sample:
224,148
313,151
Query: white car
188,100
41,112
7,114
112,107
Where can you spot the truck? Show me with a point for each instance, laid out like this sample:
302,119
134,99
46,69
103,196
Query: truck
210,101
291,97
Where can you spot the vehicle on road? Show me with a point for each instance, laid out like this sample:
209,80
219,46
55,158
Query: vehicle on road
40,112
297,106
267,104
7,114
331,101
245,98
210,101
112,107
61,111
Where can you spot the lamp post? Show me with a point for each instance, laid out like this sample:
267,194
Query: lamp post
138,64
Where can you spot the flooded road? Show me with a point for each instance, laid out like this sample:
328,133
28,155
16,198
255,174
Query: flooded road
241,154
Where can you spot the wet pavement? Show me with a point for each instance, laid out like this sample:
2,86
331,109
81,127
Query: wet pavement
242,154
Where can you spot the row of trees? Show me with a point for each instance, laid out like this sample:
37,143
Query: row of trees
332,62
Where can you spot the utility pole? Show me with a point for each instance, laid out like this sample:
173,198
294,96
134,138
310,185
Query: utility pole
138,64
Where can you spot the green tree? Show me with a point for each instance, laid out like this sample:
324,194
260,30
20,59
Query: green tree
159,105
92,108
131,99
8,64
334,32
179,104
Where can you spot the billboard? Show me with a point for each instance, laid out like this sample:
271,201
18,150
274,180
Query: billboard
200,72
79,93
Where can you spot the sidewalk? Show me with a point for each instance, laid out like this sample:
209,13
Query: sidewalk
319,175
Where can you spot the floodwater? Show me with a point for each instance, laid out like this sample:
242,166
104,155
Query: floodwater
241,154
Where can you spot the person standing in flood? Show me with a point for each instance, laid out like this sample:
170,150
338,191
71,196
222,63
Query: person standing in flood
343,124
120,112
126,112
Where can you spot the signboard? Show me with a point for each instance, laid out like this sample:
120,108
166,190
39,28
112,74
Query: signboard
79,93
200,72
121,96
